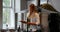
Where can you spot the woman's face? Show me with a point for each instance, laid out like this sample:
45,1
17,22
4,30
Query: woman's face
32,7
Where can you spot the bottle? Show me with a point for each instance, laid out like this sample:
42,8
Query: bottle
16,30
19,29
7,28
28,20
31,30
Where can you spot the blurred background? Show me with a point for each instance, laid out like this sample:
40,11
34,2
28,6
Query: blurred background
13,11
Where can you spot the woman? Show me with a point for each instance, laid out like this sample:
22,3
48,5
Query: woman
33,16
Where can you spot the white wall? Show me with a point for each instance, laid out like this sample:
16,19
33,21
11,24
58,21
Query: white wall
32,2
55,4
23,4
44,22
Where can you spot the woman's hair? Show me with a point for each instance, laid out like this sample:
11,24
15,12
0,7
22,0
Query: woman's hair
32,6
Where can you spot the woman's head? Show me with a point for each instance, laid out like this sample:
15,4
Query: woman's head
32,7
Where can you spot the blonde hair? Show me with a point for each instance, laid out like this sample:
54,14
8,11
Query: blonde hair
32,6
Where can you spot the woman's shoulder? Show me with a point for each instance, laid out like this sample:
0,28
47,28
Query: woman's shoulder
28,14
37,14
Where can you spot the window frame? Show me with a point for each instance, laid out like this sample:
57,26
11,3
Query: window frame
10,14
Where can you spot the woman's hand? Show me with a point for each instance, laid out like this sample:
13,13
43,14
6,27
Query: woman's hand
31,23
23,21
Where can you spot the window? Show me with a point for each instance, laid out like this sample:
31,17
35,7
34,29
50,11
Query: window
8,14
6,3
43,1
10,7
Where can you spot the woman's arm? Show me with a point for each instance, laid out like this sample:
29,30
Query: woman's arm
29,23
33,23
